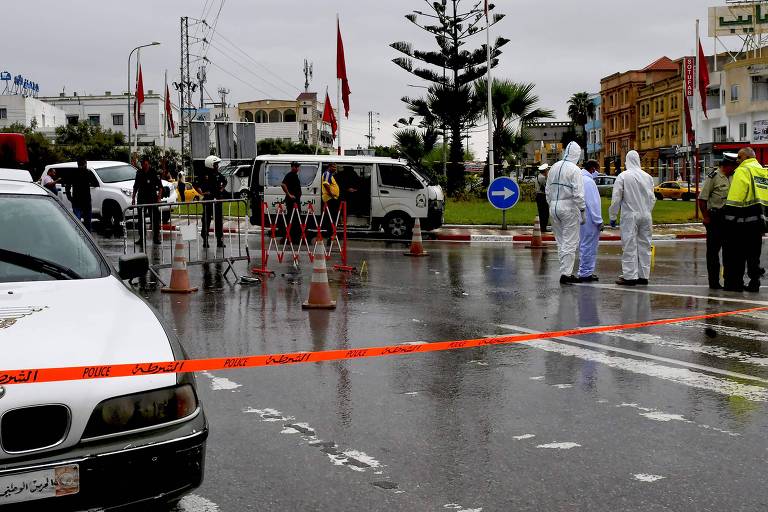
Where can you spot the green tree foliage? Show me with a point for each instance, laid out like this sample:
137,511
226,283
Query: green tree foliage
90,142
580,110
283,147
156,156
514,107
450,69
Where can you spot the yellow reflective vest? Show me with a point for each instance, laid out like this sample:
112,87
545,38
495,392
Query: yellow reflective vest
749,187
330,187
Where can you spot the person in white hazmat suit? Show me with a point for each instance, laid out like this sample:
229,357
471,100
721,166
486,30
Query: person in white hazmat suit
589,233
633,197
565,195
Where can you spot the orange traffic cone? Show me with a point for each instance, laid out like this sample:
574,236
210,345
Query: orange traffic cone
179,272
536,242
417,246
319,290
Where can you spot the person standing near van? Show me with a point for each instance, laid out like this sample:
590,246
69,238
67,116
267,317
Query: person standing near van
78,191
330,193
181,185
49,181
292,187
541,196
211,183
148,188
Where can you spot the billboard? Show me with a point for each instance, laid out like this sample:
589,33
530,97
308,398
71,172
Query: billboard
738,19
760,131
689,65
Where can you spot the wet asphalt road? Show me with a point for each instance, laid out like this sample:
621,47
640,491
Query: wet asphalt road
673,418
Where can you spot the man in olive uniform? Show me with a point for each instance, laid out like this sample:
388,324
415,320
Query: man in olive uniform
149,189
744,223
211,183
712,199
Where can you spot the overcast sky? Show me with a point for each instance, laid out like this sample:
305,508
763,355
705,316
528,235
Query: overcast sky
562,46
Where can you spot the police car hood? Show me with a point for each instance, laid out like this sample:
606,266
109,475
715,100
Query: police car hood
80,322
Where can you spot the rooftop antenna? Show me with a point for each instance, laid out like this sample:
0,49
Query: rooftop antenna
307,74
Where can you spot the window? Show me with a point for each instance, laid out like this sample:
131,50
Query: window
274,116
247,116
613,147
626,97
277,171
673,129
673,102
722,93
742,131
289,116
304,110
42,116
734,93
398,176
719,134
613,124
3,113
626,121
261,117
94,119
661,105
306,127
71,120
142,119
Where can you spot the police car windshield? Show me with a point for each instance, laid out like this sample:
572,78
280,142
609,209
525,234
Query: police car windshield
40,242
116,173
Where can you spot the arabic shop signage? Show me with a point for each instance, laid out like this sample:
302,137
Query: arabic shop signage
21,84
738,19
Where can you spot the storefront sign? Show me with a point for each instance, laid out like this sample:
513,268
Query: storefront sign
690,75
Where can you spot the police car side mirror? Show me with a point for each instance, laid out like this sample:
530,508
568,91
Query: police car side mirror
132,266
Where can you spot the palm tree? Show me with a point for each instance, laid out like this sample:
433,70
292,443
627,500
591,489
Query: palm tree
514,107
581,109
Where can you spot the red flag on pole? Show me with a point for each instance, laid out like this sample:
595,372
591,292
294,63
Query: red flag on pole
341,70
328,115
703,79
139,99
688,122
169,111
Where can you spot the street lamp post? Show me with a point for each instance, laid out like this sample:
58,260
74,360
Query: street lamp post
153,43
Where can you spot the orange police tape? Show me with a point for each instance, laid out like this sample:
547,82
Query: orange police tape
26,376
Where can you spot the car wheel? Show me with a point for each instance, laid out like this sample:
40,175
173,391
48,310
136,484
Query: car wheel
659,196
397,225
112,218
687,196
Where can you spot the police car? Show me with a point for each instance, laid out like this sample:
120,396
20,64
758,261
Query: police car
84,444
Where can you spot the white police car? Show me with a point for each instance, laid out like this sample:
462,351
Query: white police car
84,444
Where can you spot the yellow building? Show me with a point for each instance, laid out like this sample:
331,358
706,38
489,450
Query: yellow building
660,121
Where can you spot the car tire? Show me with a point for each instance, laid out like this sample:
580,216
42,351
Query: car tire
687,196
398,225
112,217
659,196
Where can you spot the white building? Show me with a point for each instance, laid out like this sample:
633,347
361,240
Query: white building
298,120
31,112
111,113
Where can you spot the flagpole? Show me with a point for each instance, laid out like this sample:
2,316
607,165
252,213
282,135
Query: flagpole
135,105
338,84
491,173
696,123
165,128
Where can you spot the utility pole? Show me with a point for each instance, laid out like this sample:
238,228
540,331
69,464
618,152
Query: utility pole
183,86
201,79
307,74
373,127
223,91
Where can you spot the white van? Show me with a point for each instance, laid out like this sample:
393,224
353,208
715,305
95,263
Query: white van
389,194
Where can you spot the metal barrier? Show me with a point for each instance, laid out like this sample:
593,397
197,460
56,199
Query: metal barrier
189,219
296,226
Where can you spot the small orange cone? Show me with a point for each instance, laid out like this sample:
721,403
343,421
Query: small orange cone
417,246
319,290
179,272
536,242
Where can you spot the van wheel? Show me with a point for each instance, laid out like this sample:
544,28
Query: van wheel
398,225
112,217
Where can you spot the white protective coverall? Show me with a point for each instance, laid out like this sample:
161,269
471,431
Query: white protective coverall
633,196
565,195
590,230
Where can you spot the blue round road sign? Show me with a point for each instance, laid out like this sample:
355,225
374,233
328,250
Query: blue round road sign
503,193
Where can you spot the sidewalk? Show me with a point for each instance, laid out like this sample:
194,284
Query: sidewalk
455,233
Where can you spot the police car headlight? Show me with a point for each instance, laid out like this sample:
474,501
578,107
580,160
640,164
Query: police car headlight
141,410
127,191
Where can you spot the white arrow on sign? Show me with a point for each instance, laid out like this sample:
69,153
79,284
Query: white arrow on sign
506,193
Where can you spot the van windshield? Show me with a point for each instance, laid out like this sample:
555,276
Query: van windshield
116,173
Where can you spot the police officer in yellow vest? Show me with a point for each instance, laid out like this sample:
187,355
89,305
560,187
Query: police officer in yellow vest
745,223
712,199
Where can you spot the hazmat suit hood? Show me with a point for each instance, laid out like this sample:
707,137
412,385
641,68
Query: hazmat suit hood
633,161
572,153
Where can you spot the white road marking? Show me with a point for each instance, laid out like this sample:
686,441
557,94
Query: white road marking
195,503
524,436
635,353
559,446
644,477
657,415
677,375
760,315
710,350
563,386
747,334
648,291
221,383
663,416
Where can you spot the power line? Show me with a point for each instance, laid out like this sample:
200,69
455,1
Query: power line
249,70
213,27
238,78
